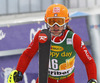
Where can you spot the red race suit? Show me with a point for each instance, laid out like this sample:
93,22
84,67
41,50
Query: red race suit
80,49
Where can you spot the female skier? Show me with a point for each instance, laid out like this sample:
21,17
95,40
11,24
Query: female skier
64,46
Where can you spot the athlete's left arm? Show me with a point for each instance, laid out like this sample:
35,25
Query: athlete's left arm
85,56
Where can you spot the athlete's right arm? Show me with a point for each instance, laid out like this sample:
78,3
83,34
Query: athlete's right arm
28,54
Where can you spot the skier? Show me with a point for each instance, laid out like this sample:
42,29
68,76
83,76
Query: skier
64,46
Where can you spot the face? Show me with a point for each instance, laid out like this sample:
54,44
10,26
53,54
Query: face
56,30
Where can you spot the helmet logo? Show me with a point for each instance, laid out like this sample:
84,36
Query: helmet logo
55,15
56,9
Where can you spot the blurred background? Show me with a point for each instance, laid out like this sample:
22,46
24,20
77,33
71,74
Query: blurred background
21,19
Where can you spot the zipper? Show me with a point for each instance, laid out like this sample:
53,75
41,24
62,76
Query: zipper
57,81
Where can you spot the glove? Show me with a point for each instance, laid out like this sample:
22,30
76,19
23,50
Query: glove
18,76
92,81
15,76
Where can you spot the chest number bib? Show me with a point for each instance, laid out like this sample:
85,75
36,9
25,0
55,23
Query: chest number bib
53,64
62,58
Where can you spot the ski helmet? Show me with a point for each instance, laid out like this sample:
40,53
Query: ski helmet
57,14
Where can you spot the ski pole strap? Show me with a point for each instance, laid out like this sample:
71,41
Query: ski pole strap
44,52
92,81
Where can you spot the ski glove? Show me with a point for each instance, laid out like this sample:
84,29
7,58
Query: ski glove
92,81
15,76
18,76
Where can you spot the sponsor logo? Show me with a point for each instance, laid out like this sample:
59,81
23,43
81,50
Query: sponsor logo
56,9
33,31
42,38
60,72
59,78
55,15
66,54
95,26
54,54
57,48
82,44
87,55
63,54
69,41
2,35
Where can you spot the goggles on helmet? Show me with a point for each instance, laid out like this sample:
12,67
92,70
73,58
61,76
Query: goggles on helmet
51,21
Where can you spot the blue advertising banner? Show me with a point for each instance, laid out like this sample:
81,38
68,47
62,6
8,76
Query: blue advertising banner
19,36
79,25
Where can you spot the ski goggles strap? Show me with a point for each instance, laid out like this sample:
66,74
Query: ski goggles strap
55,20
